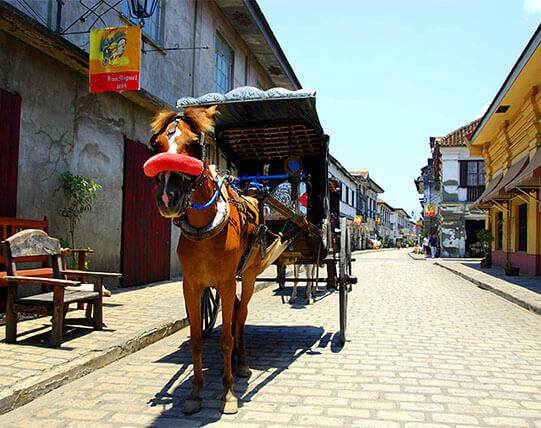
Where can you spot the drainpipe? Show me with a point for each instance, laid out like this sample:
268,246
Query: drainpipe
59,4
195,16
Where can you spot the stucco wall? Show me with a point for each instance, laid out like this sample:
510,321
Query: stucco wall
63,127
450,159
454,209
168,75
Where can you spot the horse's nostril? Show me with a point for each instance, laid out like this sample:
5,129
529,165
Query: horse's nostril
173,195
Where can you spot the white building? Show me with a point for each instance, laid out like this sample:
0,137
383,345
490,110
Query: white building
462,180
348,195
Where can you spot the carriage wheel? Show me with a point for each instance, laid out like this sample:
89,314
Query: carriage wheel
210,305
342,282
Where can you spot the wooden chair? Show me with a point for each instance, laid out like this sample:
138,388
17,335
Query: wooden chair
35,243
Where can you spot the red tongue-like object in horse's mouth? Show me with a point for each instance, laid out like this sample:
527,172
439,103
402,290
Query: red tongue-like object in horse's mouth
172,162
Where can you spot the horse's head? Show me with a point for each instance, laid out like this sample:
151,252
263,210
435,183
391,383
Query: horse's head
177,150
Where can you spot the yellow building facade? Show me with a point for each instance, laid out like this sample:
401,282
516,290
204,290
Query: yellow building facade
509,139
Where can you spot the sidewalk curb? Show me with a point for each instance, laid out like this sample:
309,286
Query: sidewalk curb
483,285
417,256
39,385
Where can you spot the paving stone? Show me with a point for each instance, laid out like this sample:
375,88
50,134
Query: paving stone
426,350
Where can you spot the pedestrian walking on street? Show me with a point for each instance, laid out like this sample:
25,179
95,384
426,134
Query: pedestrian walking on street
433,243
426,245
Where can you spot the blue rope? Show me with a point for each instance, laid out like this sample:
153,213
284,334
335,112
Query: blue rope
212,200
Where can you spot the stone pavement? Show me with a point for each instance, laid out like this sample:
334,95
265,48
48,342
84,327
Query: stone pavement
134,317
524,291
426,349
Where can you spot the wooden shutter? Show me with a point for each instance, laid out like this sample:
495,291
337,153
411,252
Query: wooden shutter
463,174
10,120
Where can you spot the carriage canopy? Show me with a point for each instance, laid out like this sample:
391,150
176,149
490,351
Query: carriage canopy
271,125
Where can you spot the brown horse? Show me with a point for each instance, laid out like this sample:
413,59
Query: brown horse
213,240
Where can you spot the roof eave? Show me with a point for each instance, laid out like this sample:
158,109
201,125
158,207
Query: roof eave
522,60
33,33
248,20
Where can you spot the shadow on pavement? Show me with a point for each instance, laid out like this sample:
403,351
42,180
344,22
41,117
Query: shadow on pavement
270,351
530,283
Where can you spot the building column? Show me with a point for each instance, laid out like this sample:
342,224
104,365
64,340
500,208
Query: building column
534,230
507,235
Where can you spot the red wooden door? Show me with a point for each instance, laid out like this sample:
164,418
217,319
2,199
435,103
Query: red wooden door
10,120
146,235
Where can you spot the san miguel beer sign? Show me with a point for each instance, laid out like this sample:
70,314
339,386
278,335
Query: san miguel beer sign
115,59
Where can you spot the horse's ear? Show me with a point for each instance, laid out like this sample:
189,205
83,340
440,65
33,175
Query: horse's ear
211,112
202,117
161,119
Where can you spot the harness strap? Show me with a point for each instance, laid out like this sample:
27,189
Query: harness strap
213,199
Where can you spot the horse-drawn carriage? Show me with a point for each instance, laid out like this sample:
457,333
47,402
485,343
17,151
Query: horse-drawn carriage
273,144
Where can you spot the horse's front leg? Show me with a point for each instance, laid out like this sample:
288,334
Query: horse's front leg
227,294
192,297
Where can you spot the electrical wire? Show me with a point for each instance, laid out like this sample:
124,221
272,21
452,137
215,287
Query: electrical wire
29,10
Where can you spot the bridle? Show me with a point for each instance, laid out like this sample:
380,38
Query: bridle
202,140
219,197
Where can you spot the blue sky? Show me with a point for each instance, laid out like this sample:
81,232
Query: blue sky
391,73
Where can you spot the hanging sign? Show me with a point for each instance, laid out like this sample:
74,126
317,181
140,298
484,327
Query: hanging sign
115,59
430,210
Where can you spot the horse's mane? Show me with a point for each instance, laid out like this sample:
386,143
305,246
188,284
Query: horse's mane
202,117
161,119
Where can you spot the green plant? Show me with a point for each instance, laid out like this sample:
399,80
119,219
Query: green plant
80,193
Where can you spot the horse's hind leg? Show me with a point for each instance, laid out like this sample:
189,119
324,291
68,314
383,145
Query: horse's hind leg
193,305
227,294
310,273
296,274
248,281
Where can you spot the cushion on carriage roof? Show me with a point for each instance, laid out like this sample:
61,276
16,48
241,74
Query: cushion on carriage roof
244,93
172,162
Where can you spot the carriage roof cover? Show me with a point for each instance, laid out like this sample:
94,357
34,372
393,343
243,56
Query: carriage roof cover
273,124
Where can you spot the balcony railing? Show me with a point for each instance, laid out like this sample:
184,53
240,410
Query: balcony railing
474,192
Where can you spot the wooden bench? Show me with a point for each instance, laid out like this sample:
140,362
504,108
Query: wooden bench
10,226
36,243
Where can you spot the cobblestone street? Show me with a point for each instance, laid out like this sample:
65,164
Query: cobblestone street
426,348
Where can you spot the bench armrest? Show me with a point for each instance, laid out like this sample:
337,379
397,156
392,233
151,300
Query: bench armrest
36,280
68,251
83,273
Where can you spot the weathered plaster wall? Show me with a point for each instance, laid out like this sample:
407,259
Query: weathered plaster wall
168,75
450,157
454,209
63,127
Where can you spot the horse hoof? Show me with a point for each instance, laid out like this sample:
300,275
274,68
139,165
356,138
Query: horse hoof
243,371
230,406
191,405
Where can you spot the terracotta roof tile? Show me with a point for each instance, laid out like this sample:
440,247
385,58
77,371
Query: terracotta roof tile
458,136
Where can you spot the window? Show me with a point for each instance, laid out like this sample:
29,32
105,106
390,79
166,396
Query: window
522,224
153,25
499,230
472,173
223,66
